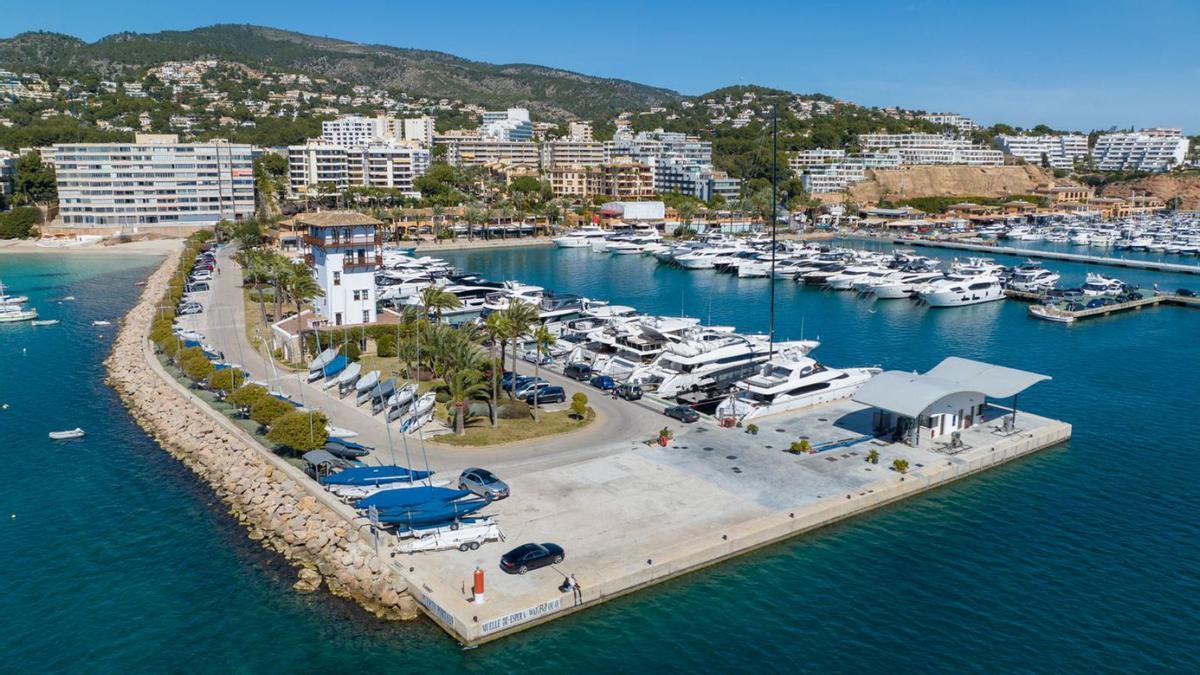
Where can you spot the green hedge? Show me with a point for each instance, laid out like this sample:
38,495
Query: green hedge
20,223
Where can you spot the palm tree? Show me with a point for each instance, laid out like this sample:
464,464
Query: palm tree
301,286
519,316
463,385
437,300
494,326
254,268
543,339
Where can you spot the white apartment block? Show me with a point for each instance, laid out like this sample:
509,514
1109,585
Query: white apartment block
7,166
356,131
380,165
579,131
1145,150
507,125
832,177
803,158
964,125
155,180
478,151
932,149
1059,151
569,152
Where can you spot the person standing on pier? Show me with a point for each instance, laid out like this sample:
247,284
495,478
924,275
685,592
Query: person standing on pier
577,590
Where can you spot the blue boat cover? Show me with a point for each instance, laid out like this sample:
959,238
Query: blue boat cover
410,497
432,514
374,475
337,365
350,444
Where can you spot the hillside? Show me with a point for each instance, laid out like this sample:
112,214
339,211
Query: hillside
549,92
947,181
1184,186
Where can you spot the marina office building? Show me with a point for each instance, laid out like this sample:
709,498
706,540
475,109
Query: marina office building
154,181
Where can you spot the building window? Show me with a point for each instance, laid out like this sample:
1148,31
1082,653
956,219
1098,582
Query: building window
337,319
366,316
337,278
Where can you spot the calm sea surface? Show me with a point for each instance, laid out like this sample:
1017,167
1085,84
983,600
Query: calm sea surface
1084,557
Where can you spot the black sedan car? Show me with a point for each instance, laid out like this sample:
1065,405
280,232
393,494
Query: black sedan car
682,413
530,557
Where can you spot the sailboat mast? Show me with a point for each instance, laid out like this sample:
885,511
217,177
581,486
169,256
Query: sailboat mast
774,219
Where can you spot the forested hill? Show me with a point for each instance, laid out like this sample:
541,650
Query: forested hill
548,92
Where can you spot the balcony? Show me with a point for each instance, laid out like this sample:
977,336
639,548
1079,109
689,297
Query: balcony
362,264
355,241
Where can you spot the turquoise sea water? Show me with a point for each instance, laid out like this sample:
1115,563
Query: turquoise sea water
1083,557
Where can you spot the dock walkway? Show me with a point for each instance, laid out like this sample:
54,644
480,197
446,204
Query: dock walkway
1067,316
1052,255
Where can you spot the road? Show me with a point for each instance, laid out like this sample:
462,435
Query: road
619,425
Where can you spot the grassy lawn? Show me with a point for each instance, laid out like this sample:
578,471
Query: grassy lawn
480,432
252,319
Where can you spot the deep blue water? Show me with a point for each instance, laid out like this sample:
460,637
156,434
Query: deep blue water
1083,557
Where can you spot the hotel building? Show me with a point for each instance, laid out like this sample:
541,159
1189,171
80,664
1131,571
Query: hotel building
155,180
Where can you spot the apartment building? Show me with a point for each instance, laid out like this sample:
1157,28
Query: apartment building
1058,151
156,180
964,125
832,177
580,131
381,165
917,148
681,163
507,125
805,158
7,167
571,152
356,131
475,150
621,180
1145,150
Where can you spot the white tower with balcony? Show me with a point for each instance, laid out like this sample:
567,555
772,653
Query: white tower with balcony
344,250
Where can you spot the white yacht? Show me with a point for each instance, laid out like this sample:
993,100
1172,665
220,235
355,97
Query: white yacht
580,238
957,290
1032,277
1098,284
902,285
785,384
706,258
707,359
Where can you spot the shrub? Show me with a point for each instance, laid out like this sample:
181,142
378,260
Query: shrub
352,351
195,364
514,410
441,396
169,346
752,428
267,410
20,222
800,447
579,405
299,431
226,379
385,346
873,456
247,395
900,465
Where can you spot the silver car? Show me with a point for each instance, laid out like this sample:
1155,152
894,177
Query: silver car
483,483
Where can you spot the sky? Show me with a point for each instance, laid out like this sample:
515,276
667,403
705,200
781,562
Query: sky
1071,65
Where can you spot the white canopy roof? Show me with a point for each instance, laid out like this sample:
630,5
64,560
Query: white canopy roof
909,394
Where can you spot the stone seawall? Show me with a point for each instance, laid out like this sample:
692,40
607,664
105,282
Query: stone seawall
278,504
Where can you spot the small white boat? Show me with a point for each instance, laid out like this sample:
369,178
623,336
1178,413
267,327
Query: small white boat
14,313
101,322
339,432
64,435
44,322
1049,314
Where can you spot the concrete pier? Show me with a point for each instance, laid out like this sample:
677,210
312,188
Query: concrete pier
1049,255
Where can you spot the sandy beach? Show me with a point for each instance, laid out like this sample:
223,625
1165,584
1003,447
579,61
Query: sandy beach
148,246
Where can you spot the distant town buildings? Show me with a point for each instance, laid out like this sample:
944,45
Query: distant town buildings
1056,151
155,180
356,131
625,180
838,171
932,149
1145,150
681,163
475,150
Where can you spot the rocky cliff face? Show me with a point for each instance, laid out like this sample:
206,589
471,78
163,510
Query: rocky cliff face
1165,187
277,504
948,181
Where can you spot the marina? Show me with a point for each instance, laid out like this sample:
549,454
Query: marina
1152,265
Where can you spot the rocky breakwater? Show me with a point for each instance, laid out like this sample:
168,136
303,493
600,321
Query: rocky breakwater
278,504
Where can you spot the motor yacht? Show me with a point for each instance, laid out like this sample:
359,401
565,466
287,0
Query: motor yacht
710,360
784,384
1098,284
1032,277
957,290
580,238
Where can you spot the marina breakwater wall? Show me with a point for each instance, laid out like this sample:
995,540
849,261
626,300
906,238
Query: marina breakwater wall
278,504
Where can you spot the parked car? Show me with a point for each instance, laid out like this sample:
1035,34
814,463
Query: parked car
483,483
1096,302
190,308
510,380
530,557
533,357
525,388
683,413
603,382
202,276
547,394
196,287
578,371
1185,293
629,392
